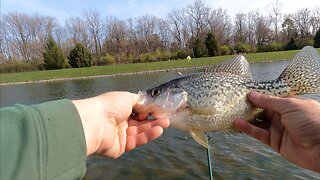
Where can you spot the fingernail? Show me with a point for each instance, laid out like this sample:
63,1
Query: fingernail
254,95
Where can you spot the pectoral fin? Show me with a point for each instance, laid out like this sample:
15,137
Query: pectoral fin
200,138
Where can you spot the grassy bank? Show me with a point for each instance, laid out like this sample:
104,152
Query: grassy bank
131,68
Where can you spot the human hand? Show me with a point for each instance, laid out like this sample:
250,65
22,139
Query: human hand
108,127
294,130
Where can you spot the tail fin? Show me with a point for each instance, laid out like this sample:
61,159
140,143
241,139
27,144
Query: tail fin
303,73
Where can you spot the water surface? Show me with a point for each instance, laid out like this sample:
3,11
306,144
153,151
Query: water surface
175,155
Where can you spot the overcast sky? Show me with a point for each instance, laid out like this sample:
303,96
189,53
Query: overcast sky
123,9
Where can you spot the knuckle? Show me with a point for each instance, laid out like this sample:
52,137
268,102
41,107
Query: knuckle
313,102
290,102
268,100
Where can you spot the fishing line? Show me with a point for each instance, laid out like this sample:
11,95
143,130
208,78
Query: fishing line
209,164
211,177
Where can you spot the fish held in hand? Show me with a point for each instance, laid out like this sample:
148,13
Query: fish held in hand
211,100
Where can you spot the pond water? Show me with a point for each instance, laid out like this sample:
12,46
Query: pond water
175,155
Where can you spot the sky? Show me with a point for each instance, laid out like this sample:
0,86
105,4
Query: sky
123,9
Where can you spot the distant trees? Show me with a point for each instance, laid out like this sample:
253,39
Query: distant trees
240,28
275,16
23,36
176,20
289,29
244,48
80,56
302,20
211,45
76,31
291,45
53,56
200,49
96,28
198,15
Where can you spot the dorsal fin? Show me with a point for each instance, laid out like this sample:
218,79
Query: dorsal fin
237,65
303,72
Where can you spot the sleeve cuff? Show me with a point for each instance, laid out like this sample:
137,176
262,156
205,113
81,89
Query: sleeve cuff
64,142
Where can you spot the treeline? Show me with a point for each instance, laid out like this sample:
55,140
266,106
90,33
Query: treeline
196,30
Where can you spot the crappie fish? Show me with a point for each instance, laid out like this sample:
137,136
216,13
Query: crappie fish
211,100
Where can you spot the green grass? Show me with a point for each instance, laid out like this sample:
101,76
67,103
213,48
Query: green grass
279,55
127,68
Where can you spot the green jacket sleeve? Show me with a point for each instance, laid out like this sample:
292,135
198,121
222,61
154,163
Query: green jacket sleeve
44,141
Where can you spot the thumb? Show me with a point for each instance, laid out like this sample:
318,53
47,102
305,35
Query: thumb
268,102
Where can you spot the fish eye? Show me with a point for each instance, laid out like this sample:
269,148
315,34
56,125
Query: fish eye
155,92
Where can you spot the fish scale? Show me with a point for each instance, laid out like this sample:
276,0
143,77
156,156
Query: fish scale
211,100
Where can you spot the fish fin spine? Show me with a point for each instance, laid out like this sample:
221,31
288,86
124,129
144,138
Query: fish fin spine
303,72
201,138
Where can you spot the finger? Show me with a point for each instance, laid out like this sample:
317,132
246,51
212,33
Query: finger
268,102
276,132
143,138
141,116
253,131
131,97
137,127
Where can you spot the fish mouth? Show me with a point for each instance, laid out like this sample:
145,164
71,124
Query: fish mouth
147,107
163,109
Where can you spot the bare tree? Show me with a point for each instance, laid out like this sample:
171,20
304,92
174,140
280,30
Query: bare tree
40,28
240,28
96,28
220,25
146,29
164,33
251,28
60,34
133,40
176,20
302,19
117,35
198,16
262,29
6,46
24,35
315,20
17,33
275,16
77,30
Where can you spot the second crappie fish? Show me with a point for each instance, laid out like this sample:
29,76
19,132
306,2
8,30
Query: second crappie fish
212,100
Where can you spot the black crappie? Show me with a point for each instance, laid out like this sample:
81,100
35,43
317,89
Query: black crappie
212,100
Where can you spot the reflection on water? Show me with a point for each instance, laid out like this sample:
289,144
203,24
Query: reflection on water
267,71
83,88
171,156
56,89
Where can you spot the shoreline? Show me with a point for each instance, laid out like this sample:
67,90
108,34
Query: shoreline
121,74
100,76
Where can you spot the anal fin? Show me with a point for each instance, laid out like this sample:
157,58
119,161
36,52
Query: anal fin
201,138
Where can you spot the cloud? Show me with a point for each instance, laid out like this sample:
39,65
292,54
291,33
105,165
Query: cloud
34,6
124,9
287,6
134,8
